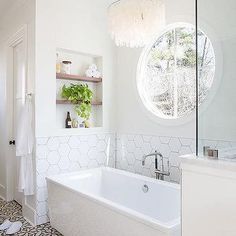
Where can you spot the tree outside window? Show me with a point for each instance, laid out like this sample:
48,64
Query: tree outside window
167,84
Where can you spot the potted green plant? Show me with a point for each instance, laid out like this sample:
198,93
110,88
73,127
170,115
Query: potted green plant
80,95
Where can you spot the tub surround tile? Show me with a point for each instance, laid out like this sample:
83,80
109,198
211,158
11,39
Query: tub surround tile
175,159
42,208
53,170
74,155
175,144
42,194
186,141
64,163
63,139
165,150
130,149
92,141
42,166
53,158
155,143
185,150
138,141
41,141
101,145
63,149
53,144
42,151
165,139
170,147
55,155
74,142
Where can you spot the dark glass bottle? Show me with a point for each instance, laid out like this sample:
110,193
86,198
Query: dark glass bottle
68,121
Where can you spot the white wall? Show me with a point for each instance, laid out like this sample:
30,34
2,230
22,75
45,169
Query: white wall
217,115
131,114
79,26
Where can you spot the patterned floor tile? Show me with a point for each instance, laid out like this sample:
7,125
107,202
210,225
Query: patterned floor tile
12,211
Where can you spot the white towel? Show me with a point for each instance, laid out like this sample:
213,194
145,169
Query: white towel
24,148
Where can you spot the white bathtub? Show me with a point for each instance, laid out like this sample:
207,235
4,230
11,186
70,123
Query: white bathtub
111,202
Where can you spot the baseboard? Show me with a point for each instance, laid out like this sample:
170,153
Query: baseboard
2,192
29,214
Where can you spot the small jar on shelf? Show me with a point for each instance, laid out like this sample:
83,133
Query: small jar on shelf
66,67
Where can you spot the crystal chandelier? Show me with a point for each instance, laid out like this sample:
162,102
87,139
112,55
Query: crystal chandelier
132,23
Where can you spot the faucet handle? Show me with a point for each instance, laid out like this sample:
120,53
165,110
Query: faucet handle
168,164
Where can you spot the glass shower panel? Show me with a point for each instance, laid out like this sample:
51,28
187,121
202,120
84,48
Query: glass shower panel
217,76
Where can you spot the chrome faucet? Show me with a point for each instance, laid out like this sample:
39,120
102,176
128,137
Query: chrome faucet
160,173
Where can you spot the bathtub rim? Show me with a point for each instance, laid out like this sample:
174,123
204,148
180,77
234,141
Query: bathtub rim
168,227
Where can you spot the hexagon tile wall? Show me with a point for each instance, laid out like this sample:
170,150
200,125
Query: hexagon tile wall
56,155
131,148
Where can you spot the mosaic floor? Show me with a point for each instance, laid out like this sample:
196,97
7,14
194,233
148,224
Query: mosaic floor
12,211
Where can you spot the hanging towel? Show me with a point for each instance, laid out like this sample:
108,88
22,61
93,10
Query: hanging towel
24,148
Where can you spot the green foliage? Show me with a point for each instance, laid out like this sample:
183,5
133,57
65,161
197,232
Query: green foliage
189,59
159,55
81,96
165,48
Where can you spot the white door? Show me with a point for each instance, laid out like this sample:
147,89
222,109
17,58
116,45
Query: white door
19,88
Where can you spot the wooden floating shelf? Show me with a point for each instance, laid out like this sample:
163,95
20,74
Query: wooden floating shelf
94,103
78,78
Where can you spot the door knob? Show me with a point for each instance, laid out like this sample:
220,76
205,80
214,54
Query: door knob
12,142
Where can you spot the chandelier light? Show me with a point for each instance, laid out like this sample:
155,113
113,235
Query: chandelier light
133,23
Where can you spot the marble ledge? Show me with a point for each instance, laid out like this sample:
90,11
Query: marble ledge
223,163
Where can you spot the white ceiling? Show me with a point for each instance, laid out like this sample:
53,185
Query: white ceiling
4,5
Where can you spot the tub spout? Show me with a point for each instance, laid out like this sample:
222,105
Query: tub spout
155,154
160,172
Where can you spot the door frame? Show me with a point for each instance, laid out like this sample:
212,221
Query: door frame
19,37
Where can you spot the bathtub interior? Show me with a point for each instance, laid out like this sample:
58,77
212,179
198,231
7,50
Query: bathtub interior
161,203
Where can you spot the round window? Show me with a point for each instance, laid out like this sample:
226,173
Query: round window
167,72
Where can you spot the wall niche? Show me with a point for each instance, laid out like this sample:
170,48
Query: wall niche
80,62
